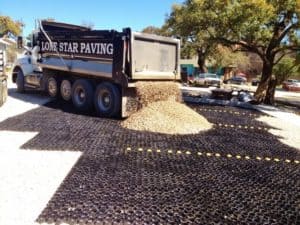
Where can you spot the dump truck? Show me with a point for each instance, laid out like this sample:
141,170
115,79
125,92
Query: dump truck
95,69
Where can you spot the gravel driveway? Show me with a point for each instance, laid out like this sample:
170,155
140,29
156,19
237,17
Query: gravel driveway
59,166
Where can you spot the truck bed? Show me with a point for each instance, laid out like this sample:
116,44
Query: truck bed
109,54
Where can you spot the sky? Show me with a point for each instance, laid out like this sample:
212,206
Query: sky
108,14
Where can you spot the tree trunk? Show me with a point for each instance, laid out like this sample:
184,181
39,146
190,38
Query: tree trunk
270,95
261,91
201,61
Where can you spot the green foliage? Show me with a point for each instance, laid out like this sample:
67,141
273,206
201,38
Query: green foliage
152,30
224,57
9,25
258,26
264,27
181,22
285,69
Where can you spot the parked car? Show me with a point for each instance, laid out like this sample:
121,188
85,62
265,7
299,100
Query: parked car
235,80
291,85
255,82
207,79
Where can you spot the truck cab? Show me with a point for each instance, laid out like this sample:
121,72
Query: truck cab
26,71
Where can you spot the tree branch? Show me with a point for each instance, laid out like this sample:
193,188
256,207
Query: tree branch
293,48
280,58
285,32
243,44
276,42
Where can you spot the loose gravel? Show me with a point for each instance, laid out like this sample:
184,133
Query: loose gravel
225,175
148,92
167,117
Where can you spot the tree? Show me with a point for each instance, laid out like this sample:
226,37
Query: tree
224,57
7,25
193,41
264,27
285,69
152,30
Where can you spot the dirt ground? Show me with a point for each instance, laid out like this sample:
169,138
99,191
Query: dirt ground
60,166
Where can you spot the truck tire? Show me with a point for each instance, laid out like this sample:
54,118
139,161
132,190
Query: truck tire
107,100
66,90
52,87
82,95
20,81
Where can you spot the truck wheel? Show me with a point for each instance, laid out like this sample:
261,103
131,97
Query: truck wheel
82,95
107,100
66,90
52,87
20,81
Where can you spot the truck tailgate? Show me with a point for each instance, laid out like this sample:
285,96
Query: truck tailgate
154,57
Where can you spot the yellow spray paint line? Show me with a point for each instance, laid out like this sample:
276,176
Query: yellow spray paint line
228,111
239,126
215,155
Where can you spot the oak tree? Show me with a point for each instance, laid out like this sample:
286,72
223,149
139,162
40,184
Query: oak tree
8,25
268,28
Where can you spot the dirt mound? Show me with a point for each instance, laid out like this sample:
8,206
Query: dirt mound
168,117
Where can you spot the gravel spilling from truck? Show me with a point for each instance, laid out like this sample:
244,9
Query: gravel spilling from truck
148,92
168,117
160,110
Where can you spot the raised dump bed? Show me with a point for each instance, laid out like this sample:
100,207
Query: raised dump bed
98,68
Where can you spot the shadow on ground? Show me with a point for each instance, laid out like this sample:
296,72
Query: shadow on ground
121,178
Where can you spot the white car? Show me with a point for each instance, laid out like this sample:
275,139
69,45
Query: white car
207,79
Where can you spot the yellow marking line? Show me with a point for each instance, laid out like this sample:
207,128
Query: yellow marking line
218,155
242,126
228,111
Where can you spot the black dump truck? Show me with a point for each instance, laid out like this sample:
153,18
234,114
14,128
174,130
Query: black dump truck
96,69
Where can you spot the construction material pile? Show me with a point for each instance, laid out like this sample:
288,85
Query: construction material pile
160,111
148,92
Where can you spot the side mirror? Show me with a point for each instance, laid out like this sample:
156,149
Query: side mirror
20,42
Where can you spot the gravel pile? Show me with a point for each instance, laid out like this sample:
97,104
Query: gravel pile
168,117
148,92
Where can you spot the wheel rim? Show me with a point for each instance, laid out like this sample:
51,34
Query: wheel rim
104,100
80,95
66,90
52,87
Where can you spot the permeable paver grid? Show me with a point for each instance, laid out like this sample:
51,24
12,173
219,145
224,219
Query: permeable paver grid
228,175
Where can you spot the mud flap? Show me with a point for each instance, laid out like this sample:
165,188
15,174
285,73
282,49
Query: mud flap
129,102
